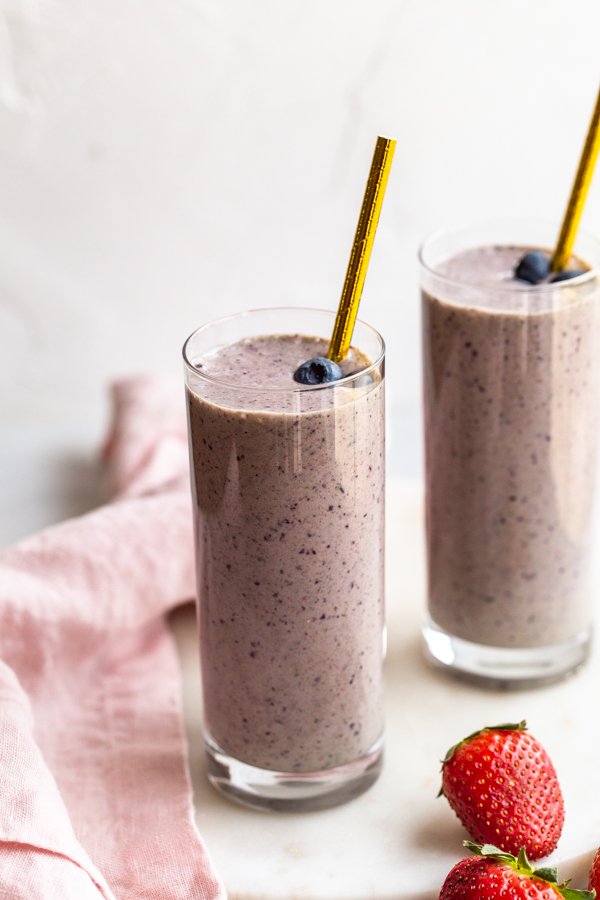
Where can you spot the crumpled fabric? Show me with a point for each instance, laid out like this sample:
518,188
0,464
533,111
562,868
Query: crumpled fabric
95,797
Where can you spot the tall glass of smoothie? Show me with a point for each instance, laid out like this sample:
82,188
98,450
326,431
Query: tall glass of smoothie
511,389
288,496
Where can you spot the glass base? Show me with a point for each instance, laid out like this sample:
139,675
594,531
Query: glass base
505,668
292,791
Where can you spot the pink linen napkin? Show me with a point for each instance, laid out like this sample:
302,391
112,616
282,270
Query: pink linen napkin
95,799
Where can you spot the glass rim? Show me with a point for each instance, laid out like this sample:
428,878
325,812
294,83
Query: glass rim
301,388
508,287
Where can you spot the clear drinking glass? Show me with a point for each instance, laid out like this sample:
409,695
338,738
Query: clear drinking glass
288,497
511,415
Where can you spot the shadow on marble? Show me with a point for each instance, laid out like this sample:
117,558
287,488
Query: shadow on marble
45,485
78,483
577,869
439,834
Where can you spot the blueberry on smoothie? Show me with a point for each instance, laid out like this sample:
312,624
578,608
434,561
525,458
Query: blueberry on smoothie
566,274
318,371
533,267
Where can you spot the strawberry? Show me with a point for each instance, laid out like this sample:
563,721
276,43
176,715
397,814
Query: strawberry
502,785
595,873
494,875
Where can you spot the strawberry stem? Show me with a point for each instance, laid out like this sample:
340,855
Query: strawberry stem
513,726
522,866
518,726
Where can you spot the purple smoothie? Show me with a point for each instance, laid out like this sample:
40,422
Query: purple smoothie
511,403
288,485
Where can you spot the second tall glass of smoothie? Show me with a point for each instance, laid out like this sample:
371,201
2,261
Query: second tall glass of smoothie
288,491
511,382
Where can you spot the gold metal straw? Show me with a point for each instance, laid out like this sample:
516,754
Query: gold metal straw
361,249
568,231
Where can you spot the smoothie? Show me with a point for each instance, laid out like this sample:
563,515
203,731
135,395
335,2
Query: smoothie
288,484
511,403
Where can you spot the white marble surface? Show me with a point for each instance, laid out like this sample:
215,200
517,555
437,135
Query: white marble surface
397,841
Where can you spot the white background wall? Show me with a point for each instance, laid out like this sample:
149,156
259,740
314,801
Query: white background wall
164,161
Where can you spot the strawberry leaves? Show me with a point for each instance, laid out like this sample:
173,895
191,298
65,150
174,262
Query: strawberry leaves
521,865
518,726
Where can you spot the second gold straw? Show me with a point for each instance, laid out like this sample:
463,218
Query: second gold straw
589,155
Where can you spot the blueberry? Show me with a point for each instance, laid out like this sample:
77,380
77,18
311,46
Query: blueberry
566,274
533,267
318,371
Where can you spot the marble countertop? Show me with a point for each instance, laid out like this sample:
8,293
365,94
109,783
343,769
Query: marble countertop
397,840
